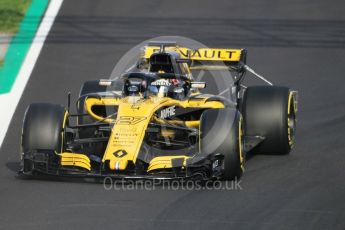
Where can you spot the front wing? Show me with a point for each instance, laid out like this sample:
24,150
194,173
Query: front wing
47,163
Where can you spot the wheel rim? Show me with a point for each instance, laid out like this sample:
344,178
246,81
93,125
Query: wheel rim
291,121
241,143
63,136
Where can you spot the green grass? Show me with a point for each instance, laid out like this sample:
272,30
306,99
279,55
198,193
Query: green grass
11,14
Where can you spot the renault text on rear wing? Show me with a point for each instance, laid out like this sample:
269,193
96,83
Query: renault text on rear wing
201,54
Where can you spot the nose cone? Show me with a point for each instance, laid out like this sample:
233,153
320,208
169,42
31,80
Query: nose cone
128,133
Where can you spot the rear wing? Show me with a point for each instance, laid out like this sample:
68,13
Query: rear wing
208,56
205,58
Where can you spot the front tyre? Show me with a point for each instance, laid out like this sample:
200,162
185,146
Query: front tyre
43,129
221,132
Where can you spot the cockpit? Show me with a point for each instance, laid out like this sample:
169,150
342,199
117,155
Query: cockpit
156,84
167,76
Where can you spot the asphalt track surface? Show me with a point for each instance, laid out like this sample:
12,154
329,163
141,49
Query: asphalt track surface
300,44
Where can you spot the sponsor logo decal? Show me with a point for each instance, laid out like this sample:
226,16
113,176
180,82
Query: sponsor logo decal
201,53
120,153
161,82
168,112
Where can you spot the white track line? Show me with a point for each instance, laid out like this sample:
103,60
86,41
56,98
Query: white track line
10,100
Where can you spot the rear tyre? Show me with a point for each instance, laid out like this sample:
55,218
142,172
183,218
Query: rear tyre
88,87
221,132
43,129
270,112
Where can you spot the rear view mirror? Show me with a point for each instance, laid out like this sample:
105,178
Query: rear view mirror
105,82
198,85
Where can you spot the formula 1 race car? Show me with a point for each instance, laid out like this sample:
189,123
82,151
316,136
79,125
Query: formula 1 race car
154,121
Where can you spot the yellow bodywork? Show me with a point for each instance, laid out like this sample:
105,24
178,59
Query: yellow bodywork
165,162
75,160
133,116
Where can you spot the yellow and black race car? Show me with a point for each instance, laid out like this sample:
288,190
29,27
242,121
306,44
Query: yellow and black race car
155,121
